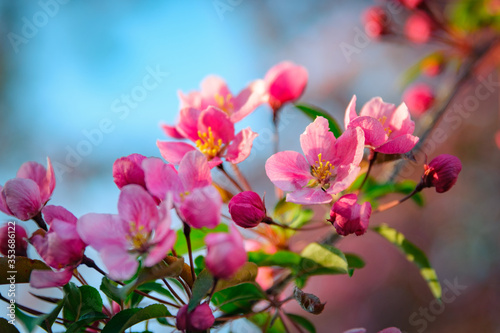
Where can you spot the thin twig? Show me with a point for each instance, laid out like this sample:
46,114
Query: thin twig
187,232
231,179
241,177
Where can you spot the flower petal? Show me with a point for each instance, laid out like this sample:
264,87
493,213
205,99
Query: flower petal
128,170
219,123
288,170
52,212
346,175
22,197
201,208
171,131
161,248
378,109
192,99
400,123
241,146
399,145
173,152
161,178
120,263
3,204
309,196
136,205
49,278
194,171
101,230
317,139
350,112
374,132
188,123
286,81
248,100
349,147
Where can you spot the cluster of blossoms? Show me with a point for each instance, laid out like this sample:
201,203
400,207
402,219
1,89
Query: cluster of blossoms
140,236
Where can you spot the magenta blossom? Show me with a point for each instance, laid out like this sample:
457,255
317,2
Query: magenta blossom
214,92
285,82
419,98
213,134
128,170
198,320
139,230
197,202
329,167
442,172
13,242
61,248
349,217
388,129
247,209
225,253
25,195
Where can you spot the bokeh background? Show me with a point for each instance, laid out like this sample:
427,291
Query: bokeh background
73,73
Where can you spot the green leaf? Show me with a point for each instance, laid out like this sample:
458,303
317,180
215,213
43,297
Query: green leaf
84,321
263,320
72,302
49,319
373,191
413,254
247,273
197,238
6,327
302,321
353,261
148,287
238,299
199,264
320,259
23,267
117,294
201,287
314,111
160,270
128,318
281,258
29,322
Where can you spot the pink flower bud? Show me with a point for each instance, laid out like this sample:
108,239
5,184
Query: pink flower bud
128,170
285,82
225,253
418,98
348,217
13,237
247,209
375,22
198,320
442,172
418,27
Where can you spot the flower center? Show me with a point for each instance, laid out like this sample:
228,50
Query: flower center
207,144
138,237
386,129
225,104
322,171
183,195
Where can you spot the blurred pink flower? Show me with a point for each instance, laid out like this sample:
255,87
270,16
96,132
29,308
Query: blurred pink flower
419,98
265,277
196,200
285,82
418,27
139,229
348,217
213,134
225,253
412,4
198,320
24,196
214,92
15,241
375,21
330,165
442,172
247,209
61,248
388,129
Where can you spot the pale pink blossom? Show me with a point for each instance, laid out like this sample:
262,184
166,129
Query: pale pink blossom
330,165
214,136
225,253
139,230
61,248
285,82
24,196
197,202
349,217
388,129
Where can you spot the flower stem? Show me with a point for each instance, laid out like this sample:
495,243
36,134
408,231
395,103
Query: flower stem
231,179
394,203
241,178
173,291
371,161
187,232
39,221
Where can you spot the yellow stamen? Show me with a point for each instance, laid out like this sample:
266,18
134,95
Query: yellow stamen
322,171
386,129
225,104
137,236
207,144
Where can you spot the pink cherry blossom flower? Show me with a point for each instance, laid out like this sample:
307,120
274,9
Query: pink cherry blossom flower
214,92
197,202
388,129
225,253
442,172
139,230
285,82
418,27
247,209
128,170
13,242
214,137
375,21
349,217
61,248
329,167
25,195
419,98
198,320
